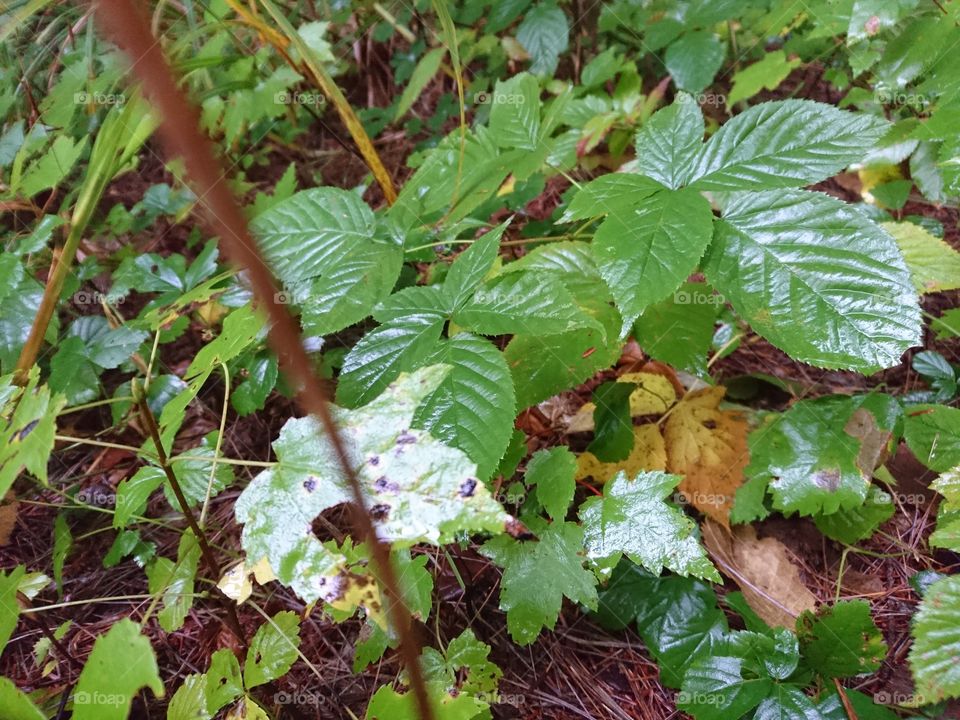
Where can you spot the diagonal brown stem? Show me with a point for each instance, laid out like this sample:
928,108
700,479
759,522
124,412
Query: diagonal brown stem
179,127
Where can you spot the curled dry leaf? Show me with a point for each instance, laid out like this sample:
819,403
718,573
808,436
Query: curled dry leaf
708,447
763,569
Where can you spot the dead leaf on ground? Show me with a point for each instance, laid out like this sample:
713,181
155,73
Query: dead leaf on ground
649,453
764,571
708,448
874,442
654,395
8,518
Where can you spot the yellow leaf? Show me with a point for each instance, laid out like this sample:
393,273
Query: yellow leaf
354,590
763,569
708,447
649,453
654,395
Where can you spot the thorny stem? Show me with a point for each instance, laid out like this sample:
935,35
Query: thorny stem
180,122
150,423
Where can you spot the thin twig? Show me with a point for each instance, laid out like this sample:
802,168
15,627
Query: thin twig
180,123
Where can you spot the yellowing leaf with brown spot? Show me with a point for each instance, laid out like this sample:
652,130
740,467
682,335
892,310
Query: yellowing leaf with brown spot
649,453
708,448
763,569
654,395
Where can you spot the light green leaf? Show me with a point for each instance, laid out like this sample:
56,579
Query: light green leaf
9,607
189,702
194,475
553,471
515,112
52,167
786,143
120,663
632,519
224,680
816,278
17,704
27,429
388,704
669,143
174,580
537,576
694,59
543,34
766,73
273,649
936,644
422,74
133,493
933,264
418,489
645,254
473,407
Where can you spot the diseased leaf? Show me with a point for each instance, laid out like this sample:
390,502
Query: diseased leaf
632,519
816,278
933,264
537,575
418,489
820,455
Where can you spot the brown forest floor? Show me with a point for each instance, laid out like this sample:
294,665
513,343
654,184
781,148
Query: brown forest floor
578,671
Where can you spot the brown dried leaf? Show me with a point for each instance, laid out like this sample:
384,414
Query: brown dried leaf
8,518
708,447
764,571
